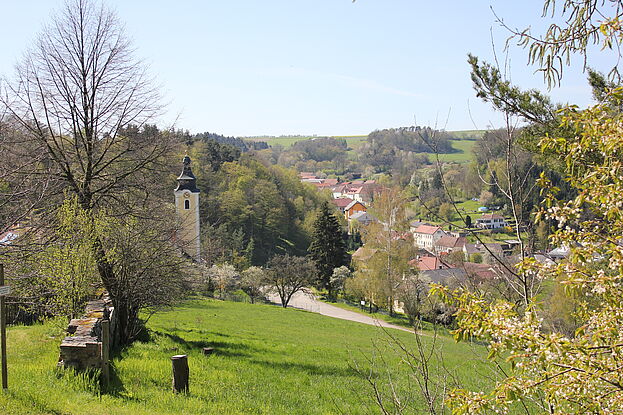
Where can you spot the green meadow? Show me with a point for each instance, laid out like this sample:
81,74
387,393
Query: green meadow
286,141
463,144
267,360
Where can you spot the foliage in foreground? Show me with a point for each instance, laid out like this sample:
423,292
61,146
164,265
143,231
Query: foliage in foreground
551,371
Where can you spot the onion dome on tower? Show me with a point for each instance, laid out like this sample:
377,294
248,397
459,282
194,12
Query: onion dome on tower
187,180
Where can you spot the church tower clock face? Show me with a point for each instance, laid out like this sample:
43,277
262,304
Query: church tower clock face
187,209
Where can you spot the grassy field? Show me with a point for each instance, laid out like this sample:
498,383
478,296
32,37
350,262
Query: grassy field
463,145
470,207
267,361
463,152
354,141
473,134
285,141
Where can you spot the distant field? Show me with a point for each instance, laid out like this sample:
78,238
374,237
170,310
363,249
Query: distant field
463,154
473,134
285,141
354,141
267,360
469,206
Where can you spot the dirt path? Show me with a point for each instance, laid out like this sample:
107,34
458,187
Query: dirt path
307,301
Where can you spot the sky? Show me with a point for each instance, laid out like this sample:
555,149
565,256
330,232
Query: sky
315,67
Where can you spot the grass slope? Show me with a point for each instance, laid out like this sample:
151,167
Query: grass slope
268,361
464,143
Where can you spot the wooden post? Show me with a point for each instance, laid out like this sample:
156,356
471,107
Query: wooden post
180,373
105,352
5,384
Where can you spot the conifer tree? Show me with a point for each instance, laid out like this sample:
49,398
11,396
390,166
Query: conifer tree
327,248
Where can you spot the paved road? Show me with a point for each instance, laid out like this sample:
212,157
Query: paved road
307,301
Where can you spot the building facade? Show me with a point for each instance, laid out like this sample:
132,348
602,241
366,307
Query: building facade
187,209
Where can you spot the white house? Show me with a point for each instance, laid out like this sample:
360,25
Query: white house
425,236
490,221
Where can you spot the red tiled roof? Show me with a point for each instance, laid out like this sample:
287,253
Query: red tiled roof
428,263
483,271
448,241
427,229
342,202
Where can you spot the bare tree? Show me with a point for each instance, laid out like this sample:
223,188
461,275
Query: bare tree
75,90
75,93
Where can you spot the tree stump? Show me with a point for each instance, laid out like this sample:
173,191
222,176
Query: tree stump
208,350
180,373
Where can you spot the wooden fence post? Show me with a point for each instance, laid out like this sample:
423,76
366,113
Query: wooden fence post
105,352
5,382
180,373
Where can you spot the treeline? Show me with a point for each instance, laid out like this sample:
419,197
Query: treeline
233,141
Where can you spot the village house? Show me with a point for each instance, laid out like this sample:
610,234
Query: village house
341,203
491,252
449,243
359,219
416,224
428,263
491,221
359,190
425,236
354,207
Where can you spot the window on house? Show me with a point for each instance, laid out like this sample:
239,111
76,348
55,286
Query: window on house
186,204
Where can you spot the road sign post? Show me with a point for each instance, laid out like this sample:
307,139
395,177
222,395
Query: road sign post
4,290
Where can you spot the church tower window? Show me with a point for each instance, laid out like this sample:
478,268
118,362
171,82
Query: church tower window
186,204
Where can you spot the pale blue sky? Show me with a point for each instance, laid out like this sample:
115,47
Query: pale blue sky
326,67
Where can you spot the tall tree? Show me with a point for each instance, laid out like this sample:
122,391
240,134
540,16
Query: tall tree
393,250
327,248
74,92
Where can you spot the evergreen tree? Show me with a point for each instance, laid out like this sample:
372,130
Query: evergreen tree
327,248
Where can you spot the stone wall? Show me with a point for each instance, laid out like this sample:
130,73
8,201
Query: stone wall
82,349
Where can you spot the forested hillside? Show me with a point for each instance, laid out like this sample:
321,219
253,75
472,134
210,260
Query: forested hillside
250,210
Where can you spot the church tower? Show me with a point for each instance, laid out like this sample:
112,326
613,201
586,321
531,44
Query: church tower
187,208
